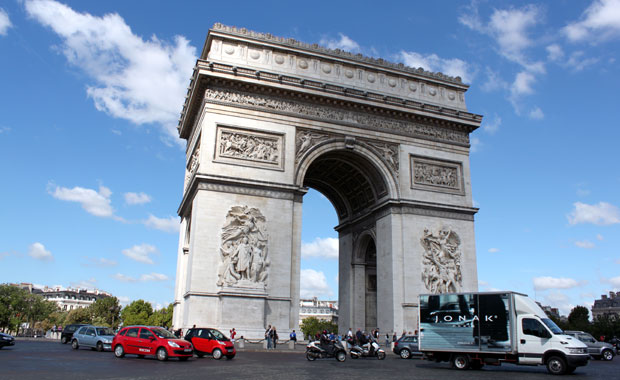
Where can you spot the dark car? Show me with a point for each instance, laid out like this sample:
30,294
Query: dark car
67,332
207,341
407,346
150,340
6,340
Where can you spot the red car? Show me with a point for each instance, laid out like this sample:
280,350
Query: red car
210,342
150,340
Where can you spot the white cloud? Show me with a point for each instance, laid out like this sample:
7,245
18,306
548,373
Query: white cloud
123,300
326,248
344,43
432,62
578,62
38,251
143,81
493,250
545,283
94,202
314,284
101,262
600,214
614,281
599,237
585,244
560,301
537,114
474,144
137,198
122,278
601,20
494,81
4,129
555,52
153,277
523,83
491,126
5,22
170,224
85,284
140,253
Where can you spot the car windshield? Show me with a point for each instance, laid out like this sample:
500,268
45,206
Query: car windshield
104,331
163,333
552,326
218,335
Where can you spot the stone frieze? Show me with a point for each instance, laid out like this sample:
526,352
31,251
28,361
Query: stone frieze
441,261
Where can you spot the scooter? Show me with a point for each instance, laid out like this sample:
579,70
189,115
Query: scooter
315,351
364,351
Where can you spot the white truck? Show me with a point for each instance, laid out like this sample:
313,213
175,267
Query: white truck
470,330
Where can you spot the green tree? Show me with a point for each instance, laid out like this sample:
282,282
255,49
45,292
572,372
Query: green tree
137,313
579,318
12,306
311,326
162,317
80,315
106,312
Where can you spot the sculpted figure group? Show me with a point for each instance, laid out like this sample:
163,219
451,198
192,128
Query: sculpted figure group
441,261
247,146
244,249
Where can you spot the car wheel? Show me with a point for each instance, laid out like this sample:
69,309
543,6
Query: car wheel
341,356
119,351
460,361
99,346
74,344
405,354
162,354
229,357
217,354
608,355
64,340
556,365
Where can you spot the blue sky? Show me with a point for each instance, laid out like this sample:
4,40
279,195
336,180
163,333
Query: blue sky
92,172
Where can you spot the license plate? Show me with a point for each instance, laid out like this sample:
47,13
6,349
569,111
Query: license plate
188,350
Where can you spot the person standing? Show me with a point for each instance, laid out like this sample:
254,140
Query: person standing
268,336
233,333
293,336
274,337
358,336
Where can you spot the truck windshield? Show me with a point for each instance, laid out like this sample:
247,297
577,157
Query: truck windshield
552,326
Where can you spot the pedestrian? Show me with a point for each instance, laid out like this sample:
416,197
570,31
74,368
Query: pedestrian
233,333
394,338
375,334
274,337
268,336
387,340
350,333
404,333
415,332
358,336
293,336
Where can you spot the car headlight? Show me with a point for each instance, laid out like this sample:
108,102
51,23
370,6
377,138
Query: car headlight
107,341
173,344
577,350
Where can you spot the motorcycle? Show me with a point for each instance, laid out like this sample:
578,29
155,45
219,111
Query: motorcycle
315,351
364,351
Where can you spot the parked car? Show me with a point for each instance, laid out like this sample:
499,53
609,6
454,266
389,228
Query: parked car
94,337
596,349
407,347
150,340
67,332
208,341
6,340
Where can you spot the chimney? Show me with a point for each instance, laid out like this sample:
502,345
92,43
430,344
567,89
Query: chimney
603,296
612,295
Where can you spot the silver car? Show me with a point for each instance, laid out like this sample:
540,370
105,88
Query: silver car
95,337
596,349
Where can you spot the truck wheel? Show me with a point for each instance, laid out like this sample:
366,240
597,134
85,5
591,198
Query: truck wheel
460,361
608,355
405,354
556,365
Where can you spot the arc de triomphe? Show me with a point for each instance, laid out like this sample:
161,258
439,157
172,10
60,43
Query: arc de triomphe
265,119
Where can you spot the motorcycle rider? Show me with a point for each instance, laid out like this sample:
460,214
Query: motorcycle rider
326,342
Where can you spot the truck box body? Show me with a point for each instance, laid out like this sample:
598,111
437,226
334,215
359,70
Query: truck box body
474,329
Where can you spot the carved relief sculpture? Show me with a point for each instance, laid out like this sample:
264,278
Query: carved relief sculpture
243,250
437,175
389,153
193,165
304,140
441,262
256,148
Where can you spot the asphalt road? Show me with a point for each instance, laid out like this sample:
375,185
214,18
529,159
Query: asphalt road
51,360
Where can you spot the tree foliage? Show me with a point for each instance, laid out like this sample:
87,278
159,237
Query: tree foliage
106,312
19,306
311,326
579,318
162,317
137,313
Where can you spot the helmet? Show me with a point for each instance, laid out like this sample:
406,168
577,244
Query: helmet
324,331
